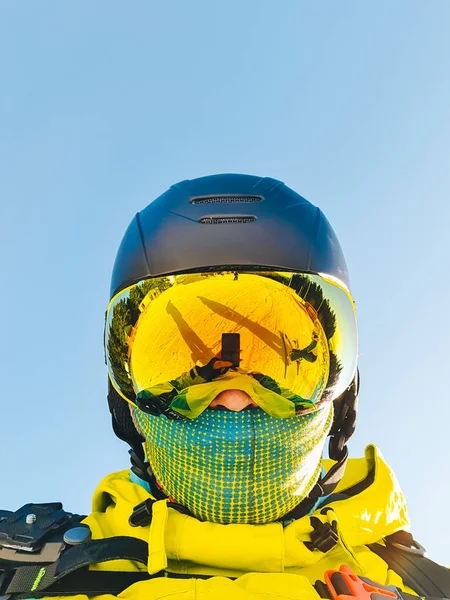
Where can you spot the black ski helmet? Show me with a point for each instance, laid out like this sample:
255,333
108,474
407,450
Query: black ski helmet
232,220
220,220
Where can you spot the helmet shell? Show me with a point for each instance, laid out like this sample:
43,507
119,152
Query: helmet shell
228,220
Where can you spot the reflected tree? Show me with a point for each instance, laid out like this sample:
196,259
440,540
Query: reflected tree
118,347
138,293
125,315
312,293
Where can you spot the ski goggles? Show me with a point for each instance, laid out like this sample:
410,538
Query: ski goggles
297,334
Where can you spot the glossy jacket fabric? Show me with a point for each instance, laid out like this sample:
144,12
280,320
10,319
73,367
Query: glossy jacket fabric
264,562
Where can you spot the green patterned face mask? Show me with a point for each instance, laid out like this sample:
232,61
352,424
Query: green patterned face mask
236,467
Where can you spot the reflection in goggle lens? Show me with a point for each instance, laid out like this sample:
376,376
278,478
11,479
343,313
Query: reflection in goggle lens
296,330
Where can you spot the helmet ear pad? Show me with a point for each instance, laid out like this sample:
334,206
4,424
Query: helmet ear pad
125,429
122,421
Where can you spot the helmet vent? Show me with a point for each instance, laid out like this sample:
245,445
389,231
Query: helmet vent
224,220
226,199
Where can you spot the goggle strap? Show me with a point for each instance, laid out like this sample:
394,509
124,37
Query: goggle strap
341,431
328,483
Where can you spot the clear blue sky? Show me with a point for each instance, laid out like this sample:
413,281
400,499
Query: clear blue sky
103,105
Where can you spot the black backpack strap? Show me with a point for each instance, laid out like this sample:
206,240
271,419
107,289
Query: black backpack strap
407,558
70,573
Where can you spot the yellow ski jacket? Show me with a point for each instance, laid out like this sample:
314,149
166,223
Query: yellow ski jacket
264,562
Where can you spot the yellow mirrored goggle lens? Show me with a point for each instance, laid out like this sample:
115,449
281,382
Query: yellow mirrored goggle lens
297,329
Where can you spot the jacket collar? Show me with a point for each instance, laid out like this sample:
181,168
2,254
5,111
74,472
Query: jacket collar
369,506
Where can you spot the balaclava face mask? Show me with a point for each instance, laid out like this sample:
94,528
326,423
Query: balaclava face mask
236,467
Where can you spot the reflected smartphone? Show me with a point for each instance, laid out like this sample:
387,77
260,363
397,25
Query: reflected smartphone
231,348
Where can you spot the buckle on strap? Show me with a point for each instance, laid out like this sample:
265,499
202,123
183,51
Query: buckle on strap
33,534
403,540
344,584
324,537
142,514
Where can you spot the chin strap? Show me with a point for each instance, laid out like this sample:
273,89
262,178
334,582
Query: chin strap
345,411
344,423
